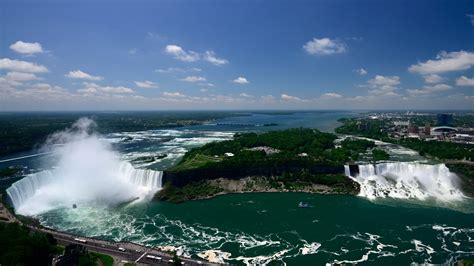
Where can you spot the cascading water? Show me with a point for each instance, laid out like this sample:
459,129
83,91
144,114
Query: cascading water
88,171
407,180
142,177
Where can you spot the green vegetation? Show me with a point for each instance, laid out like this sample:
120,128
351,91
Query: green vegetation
376,129
106,259
20,246
198,189
9,171
196,161
356,146
466,173
292,159
21,132
380,155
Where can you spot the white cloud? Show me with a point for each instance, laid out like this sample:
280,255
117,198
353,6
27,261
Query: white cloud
384,85
445,62
324,46
78,74
21,66
430,89
286,97
331,95
178,53
173,94
91,88
465,81
170,70
193,79
27,47
241,80
245,95
207,84
471,18
361,71
133,51
433,78
211,57
19,76
146,84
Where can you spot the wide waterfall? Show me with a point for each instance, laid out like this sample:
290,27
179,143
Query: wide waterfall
141,183
87,170
407,180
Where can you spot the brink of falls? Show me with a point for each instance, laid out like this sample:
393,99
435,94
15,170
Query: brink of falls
407,180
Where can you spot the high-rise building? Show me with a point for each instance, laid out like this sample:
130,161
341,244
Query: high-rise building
445,119
427,129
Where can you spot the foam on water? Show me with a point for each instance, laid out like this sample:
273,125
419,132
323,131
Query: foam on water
88,170
407,180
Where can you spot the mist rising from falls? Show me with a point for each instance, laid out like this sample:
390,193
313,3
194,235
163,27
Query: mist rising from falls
88,171
407,180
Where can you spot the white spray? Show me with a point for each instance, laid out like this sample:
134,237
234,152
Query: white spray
404,180
88,171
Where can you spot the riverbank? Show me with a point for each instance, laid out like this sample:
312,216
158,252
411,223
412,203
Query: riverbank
206,189
121,252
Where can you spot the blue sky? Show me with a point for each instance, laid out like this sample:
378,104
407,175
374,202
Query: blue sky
155,55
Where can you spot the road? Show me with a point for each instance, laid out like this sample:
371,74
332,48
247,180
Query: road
129,252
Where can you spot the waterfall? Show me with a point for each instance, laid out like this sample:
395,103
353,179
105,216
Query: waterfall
347,170
142,177
25,188
50,186
407,180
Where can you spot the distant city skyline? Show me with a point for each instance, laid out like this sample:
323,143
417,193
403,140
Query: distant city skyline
236,55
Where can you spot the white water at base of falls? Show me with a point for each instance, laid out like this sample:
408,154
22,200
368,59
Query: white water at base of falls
48,189
407,180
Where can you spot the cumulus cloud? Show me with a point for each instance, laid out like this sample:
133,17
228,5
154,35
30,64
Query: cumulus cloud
180,54
430,89
173,94
241,80
286,97
21,66
384,85
171,70
194,79
78,74
27,47
465,81
133,51
93,88
324,46
445,62
433,78
211,57
361,71
146,84
245,95
20,76
331,95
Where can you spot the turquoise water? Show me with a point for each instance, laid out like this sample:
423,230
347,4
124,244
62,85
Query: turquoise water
264,227
269,227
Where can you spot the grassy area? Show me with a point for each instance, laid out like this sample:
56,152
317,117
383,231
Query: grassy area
106,259
198,160
200,189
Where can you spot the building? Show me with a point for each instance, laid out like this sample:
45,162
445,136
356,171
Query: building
427,129
445,119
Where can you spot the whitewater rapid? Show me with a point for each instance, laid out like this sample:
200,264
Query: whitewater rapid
407,180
